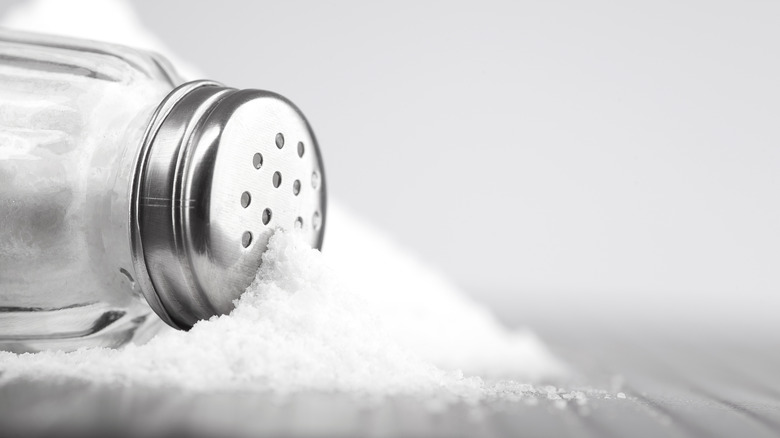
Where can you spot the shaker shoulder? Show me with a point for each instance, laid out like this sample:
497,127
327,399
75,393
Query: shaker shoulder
90,59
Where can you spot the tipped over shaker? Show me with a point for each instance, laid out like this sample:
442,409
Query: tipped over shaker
128,196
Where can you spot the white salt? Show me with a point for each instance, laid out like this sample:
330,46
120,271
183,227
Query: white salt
424,311
365,317
296,328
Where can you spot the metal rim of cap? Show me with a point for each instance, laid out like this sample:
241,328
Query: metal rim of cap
173,277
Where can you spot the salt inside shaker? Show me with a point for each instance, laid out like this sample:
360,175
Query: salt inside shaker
128,197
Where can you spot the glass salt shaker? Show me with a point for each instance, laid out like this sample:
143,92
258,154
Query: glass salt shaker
128,197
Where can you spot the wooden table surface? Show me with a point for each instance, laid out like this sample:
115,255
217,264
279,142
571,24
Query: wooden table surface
675,386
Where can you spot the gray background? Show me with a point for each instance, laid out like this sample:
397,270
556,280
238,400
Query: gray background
609,164
603,162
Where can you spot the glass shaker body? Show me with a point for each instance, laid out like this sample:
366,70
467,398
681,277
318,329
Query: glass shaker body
128,198
72,116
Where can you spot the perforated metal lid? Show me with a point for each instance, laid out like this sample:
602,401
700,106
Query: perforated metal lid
219,170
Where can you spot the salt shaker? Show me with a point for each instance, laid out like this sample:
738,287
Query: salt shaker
128,197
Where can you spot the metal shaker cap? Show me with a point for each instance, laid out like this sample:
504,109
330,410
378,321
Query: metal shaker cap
220,169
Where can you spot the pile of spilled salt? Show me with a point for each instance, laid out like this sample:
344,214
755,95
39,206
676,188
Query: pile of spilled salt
364,317
426,313
299,327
